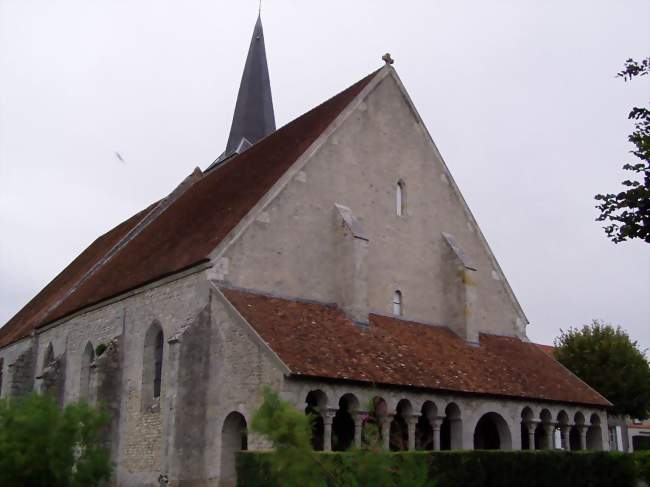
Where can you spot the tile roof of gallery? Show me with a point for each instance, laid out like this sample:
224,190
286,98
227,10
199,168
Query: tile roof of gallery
318,340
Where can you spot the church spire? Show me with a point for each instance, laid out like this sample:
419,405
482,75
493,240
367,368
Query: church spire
253,118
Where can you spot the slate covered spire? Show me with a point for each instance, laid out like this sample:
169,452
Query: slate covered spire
253,118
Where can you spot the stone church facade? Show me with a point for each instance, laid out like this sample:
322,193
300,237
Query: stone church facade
333,259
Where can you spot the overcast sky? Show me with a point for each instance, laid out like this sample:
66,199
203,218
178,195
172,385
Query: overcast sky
519,96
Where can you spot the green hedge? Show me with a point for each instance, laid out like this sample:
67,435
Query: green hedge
642,460
470,468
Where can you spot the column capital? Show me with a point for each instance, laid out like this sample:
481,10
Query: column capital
359,416
531,424
328,415
413,419
385,419
549,425
436,422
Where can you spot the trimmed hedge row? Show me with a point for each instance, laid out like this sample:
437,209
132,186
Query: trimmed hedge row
473,468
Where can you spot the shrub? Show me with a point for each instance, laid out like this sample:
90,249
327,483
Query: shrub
43,445
642,461
294,463
459,469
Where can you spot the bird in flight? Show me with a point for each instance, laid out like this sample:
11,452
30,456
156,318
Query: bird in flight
119,157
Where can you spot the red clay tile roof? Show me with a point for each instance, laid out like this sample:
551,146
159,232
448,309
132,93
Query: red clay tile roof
188,229
320,341
547,349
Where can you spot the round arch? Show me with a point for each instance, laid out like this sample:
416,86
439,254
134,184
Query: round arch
594,434
316,403
423,429
343,423
527,416
234,438
492,433
399,436
451,429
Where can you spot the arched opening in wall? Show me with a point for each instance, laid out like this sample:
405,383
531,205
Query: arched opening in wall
563,427
48,358
492,433
152,365
574,434
87,358
594,434
397,303
451,429
371,429
399,434
234,438
542,439
316,403
343,423
574,439
527,417
424,428
400,198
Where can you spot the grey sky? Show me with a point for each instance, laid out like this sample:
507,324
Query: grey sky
519,96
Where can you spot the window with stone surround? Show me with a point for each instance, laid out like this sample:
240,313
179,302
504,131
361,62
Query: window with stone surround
397,303
152,366
87,358
49,356
400,197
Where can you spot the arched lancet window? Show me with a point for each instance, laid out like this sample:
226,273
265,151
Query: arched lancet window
152,365
86,360
157,380
49,356
400,198
397,303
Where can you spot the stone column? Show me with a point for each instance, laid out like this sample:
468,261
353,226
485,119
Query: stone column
582,429
435,425
411,422
358,418
328,417
564,431
385,431
531,426
549,433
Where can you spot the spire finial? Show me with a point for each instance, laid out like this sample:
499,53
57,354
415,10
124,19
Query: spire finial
259,10
387,59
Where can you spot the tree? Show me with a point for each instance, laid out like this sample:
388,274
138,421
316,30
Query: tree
606,359
44,445
628,212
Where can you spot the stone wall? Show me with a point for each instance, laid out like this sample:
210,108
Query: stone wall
292,248
22,369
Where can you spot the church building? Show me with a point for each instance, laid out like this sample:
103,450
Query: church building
333,259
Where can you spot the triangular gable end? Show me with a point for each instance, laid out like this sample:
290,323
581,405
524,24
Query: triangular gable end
228,263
